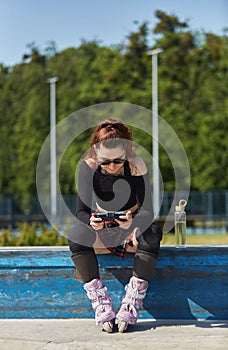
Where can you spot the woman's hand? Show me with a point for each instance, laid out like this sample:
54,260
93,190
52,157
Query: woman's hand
127,220
95,222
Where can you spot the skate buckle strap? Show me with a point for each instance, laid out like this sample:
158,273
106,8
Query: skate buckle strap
134,292
99,297
96,293
101,301
132,309
128,313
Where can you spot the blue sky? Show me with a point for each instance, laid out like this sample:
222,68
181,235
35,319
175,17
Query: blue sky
110,21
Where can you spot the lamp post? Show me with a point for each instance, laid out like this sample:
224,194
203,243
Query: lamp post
53,178
155,133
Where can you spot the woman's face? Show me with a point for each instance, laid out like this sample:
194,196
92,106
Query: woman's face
111,159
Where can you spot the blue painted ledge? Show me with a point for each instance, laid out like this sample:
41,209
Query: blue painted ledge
40,282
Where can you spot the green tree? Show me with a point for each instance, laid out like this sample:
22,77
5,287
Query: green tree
192,99
211,157
192,71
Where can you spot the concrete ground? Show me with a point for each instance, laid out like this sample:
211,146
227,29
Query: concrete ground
83,334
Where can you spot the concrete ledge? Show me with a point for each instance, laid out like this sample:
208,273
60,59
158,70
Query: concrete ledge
189,283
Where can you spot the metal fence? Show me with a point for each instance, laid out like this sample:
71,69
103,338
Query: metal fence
202,206
208,205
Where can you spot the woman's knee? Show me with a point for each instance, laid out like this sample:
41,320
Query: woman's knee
149,240
78,248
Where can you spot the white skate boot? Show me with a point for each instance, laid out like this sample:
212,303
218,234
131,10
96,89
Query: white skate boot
101,303
132,302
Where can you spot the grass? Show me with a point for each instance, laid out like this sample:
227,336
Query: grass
28,236
204,239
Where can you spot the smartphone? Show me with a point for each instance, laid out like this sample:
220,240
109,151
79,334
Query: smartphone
111,215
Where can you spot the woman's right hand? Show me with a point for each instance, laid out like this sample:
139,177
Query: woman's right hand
95,222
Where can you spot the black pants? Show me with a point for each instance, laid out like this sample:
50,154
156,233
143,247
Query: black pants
85,259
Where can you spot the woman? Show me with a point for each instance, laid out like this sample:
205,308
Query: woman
115,179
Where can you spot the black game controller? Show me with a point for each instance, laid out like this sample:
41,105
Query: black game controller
111,215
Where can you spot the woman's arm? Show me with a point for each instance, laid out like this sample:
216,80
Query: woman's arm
143,195
84,196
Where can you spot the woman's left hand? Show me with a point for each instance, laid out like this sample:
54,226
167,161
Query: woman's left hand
127,220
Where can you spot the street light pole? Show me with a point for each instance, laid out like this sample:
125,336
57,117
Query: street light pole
155,132
53,193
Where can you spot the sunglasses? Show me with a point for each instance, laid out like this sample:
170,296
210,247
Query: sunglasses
114,161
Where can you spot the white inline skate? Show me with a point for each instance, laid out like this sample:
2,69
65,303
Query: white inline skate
132,302
101,303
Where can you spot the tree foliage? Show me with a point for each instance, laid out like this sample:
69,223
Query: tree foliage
192,99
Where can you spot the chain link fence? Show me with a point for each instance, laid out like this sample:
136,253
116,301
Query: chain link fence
203,207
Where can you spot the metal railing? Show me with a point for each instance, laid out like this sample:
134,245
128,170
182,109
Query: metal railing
203,206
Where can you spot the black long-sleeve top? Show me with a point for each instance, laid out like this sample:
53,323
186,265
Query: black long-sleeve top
114,193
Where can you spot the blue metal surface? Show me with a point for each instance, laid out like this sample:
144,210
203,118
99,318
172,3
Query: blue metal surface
189,283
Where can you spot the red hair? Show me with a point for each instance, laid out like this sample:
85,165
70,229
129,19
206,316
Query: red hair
113,133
